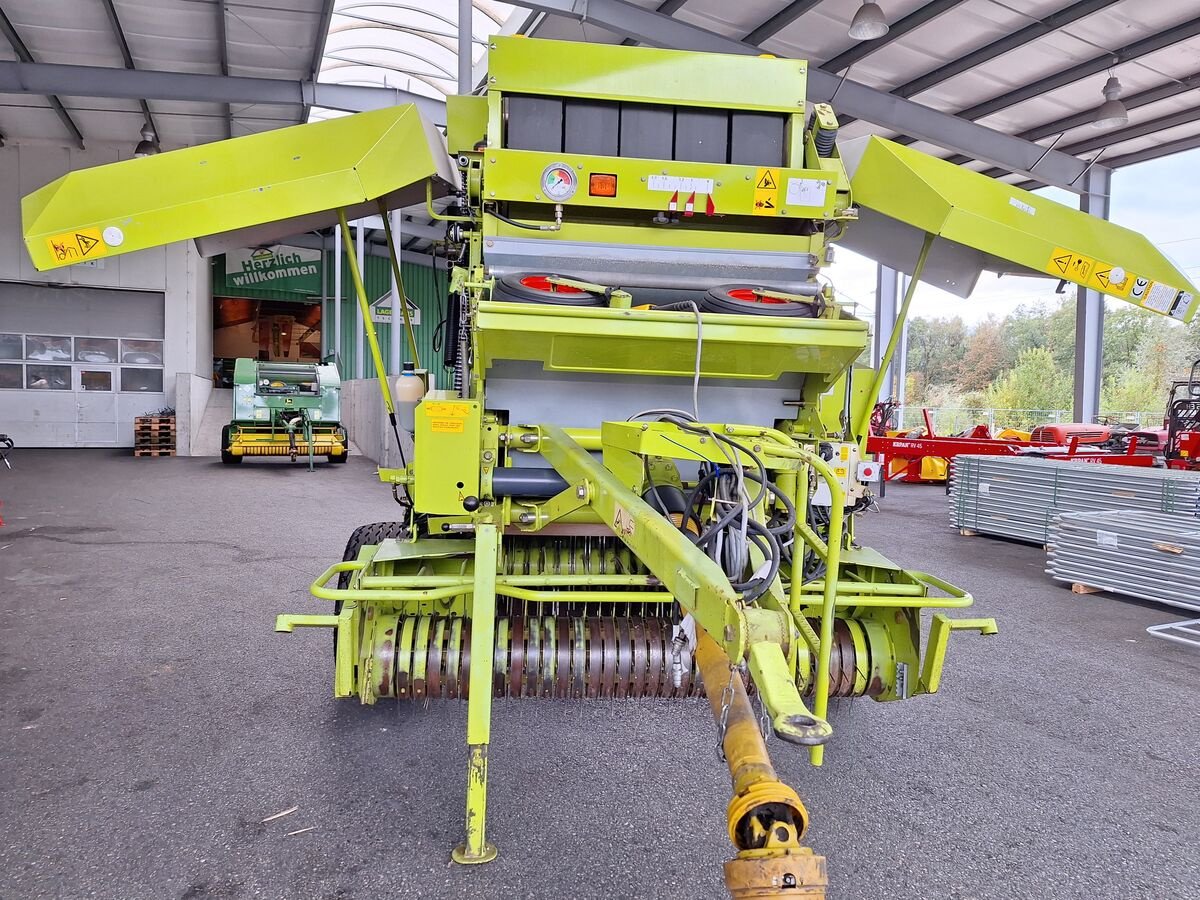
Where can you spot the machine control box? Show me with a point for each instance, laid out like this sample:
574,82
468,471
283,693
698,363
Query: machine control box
448,441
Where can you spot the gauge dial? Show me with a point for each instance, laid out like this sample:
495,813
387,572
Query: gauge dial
559,182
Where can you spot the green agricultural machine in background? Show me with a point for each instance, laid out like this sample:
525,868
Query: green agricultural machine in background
285,409
645,477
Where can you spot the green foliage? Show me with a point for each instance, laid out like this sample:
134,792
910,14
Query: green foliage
1026,360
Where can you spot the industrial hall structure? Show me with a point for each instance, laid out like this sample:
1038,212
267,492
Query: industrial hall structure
599,448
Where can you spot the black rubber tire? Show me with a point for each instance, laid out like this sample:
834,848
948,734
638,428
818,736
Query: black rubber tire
363,536
725,299
511,289
226,457
339,459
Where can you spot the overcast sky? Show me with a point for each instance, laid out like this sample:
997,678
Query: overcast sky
1160,198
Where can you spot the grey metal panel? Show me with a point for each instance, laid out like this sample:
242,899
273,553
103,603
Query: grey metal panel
1003,45
134,84
1149,555
915,19
950,266
591,127
855,99
534,123
647,131
1093,66
38,309
701,135
581,399
649,267
757,139
1018,497
26,58
780,21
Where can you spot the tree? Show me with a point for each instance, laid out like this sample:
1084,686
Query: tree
1034,383
986,357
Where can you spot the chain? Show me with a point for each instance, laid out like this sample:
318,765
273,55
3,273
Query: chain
726,699
764,720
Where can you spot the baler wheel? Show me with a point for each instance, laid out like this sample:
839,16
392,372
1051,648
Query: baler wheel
748,300
226,442
536,287
363,536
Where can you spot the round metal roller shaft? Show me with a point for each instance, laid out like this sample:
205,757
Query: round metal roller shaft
557,657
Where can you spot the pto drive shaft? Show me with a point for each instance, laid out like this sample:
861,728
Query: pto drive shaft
766,818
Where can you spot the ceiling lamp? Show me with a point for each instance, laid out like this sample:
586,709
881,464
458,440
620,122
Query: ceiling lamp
869,22
148,145
1112,111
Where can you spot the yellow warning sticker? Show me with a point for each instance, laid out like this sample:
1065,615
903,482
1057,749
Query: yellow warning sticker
1072,266
1111,279
447,426
443,410
766,192
77,246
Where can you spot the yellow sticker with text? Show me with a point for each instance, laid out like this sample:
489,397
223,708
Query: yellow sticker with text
766,192
1070,265
1110,279
443,410
77,246
447,426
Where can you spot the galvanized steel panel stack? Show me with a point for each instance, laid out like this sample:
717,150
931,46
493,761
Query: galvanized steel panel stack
1149,555
1018,497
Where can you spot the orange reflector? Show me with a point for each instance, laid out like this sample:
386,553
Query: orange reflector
602,185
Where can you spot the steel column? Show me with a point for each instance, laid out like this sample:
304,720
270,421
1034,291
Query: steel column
887,298
360,364
466,18
397,332
337,301
1089,310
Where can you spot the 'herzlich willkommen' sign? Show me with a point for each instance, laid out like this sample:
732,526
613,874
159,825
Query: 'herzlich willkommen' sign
296,270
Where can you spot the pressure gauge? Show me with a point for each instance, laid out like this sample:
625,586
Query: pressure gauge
559,182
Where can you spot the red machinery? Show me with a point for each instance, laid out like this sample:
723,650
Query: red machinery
1182,450
980,442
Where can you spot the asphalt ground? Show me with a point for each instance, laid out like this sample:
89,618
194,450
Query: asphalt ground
150,720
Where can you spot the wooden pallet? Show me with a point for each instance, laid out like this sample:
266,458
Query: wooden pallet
1078,588
154,420
153,451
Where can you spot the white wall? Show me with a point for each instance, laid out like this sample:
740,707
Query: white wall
177,270
365,418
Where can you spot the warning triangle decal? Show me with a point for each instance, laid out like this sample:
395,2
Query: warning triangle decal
86,243
1062,262
767,182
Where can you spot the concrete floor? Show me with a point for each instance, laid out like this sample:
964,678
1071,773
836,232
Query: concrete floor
150,719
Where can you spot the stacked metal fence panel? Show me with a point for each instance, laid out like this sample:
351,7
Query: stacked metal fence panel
1018,497
1149,555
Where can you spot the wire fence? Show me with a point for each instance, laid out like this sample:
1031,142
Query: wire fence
953,420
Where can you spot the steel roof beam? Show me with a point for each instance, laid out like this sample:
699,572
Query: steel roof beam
667,8
1078,72
1111,138
23,54
911,22
1155,152
1006,44
123,44
779,21
883,109
1151,95
130,84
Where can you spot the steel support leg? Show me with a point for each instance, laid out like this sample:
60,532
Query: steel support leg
476,849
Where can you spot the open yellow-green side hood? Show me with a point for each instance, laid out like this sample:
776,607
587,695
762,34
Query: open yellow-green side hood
981,223
243,192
